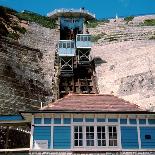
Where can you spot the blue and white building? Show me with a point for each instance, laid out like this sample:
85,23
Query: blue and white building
92,123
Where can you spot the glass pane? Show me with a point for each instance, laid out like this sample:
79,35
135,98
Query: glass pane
80,128
75,135
115,142
75,142
110,129
72,45
78,38
91,129
103,135
85,38
98,129
76,129
81,38
64,45
99,135
60,45
87,129
80,136
110,142
80,143
68,45
99,142
103,143
89,38
114,129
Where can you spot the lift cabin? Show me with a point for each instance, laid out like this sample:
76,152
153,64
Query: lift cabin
74,49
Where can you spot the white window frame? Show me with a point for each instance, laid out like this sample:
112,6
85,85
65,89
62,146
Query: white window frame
84,140
78,139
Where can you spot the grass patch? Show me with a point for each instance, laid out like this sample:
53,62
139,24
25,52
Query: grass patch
129,18
37,18
149,22
152,38
19,29
95,23
95,38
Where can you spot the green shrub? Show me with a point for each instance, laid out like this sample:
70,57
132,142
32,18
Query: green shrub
34,17
13,35
95,38
129,18
94,23
152,38
149,22
19,29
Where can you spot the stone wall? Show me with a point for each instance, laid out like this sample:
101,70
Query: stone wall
27,70
127,68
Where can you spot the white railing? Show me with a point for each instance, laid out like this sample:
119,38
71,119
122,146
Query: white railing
70,10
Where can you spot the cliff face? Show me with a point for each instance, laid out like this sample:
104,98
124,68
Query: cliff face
27,69
128,68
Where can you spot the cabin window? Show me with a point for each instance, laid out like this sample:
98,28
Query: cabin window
101,136
78,136
68,45
72,45
90,135
78,38
112,130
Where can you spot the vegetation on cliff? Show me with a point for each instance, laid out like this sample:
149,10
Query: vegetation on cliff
37,18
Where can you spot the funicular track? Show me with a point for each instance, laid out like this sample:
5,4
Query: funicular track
77,71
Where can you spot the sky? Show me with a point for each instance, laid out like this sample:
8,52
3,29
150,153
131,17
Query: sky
102,8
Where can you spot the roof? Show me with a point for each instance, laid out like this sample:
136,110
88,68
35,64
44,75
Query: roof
71,13
92,103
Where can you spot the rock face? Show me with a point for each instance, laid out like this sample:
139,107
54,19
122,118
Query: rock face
128,66
27,69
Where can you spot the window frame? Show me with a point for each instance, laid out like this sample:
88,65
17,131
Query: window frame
95,139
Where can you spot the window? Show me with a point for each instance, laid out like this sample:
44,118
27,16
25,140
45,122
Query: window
78,136
101,139
112,130
68,45
64,45
72,44
78,38
89,39
60,45
89,135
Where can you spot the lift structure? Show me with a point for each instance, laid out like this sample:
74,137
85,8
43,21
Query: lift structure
73,50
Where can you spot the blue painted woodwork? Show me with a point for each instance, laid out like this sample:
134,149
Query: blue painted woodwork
71,23
42,133
77,119
11,118
129,138
100,119
62,137
89,119
83,41
147,143
66,48
132,121
47,120
142,121
112,120
37,120
67,121
151,121
123,121
57,120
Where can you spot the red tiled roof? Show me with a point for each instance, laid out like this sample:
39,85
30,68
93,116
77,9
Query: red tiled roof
91,103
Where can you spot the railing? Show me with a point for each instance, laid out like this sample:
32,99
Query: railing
71,10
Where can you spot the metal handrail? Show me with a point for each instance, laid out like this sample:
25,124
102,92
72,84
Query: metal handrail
70,10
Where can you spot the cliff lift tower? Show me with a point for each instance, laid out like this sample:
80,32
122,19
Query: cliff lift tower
74,48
